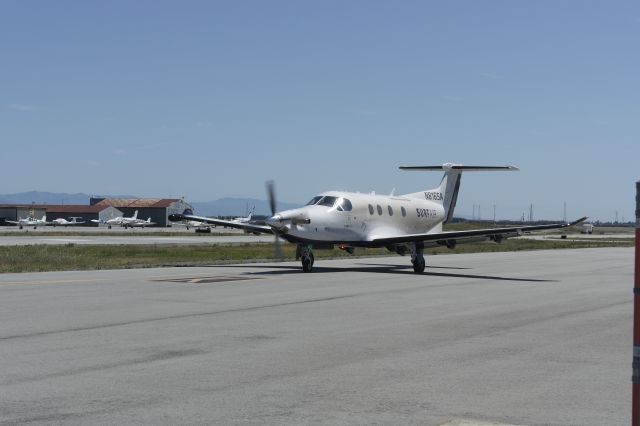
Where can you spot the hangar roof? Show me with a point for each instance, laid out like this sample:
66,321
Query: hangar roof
138,202
60,208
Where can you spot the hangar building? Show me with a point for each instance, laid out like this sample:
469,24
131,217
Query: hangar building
53,211
101,209
158,209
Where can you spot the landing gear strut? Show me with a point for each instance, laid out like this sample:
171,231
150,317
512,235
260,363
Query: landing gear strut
304,253
417,258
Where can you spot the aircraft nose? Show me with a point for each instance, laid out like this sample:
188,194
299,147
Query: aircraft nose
274,220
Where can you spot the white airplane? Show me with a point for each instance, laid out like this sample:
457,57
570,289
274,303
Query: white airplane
243,219
30,221
139,223
65,222
119,221
403,224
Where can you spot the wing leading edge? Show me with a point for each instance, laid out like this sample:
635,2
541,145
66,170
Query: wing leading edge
454,235
246,226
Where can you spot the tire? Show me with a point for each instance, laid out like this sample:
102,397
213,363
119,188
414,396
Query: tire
307,263
418,265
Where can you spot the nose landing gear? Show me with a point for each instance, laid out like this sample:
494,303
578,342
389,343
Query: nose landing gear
304,253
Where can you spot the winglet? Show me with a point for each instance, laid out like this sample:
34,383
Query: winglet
582,219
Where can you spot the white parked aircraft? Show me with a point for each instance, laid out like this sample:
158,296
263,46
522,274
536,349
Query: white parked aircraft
64,222
139,223
119,221
403,224
30,221
244,219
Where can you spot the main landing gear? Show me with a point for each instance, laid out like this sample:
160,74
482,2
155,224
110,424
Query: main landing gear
304,253
417,258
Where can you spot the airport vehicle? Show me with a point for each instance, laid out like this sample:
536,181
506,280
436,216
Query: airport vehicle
403,224
64,222
29,221
586,228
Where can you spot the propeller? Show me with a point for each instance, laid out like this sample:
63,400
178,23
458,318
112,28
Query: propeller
271,194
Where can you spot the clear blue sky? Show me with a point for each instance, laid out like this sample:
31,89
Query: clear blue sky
210,99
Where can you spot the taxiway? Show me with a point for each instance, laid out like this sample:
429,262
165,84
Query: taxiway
527,338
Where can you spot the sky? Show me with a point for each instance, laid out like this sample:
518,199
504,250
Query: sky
210,99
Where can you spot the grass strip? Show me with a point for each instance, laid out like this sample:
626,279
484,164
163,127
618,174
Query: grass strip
41,258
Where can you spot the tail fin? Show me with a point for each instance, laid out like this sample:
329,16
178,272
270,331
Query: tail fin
135,215
447,192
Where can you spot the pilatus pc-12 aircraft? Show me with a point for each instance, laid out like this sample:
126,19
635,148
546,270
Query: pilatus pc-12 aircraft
404,224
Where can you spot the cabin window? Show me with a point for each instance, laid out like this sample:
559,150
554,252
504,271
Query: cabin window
379,210
390,210
370,209
403,211
314,200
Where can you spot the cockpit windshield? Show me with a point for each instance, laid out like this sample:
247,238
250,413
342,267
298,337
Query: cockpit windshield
343,205
327,201
340,204
314,200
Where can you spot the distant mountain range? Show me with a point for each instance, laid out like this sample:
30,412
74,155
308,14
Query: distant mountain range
222,207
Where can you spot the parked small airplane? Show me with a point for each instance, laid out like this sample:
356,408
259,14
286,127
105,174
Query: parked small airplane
403,224
29,221
119,221
64,222
139,223
244,219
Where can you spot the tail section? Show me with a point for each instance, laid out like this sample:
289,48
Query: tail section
447,192
135,215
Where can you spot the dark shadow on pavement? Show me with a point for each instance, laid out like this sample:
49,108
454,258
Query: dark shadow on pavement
276,269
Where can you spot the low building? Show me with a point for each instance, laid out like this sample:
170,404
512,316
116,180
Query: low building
84,213
99,209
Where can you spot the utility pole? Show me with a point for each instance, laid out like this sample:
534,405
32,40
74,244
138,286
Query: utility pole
564,215
635,378
531,213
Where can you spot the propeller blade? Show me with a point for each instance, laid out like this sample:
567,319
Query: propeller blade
271,193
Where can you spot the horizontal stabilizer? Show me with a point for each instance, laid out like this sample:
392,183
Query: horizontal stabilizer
460,167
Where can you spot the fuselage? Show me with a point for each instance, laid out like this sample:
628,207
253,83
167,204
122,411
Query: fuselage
356,218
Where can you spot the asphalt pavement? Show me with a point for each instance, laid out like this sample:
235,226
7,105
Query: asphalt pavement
527,338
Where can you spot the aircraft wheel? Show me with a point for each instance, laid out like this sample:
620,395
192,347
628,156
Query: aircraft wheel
109,227
307,263
20,227
418,264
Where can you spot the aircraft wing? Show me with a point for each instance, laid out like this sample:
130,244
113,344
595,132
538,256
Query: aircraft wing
461,235
264,229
